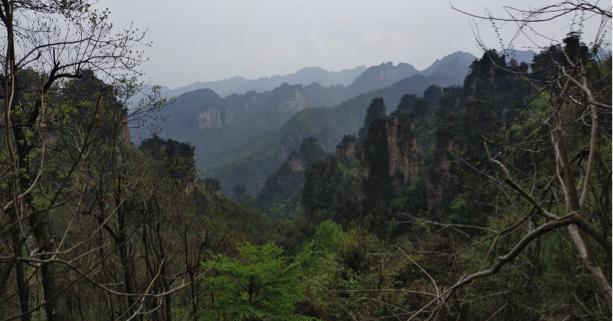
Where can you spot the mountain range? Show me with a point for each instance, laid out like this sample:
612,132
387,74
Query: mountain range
251,161
242,138
240,85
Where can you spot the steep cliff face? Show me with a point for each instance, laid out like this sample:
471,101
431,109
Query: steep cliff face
347,148
281,193
295,163
124,131
209,118
288,142
447,144
296,102
229,119
404,157
468,116
482,76
389,159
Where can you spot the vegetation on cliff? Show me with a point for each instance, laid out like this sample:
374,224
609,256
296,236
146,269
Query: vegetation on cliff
490,200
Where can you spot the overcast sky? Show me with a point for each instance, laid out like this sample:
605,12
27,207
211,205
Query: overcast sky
198,40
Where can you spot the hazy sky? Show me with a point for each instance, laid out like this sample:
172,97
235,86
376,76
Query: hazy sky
204,40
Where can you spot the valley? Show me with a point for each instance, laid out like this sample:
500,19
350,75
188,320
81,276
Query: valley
476,186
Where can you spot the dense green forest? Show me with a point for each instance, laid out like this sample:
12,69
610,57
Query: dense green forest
489,200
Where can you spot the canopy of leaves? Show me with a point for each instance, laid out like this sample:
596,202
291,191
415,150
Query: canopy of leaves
259,285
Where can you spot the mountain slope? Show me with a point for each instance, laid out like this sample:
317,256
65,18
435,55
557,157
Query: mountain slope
211,123
451,69
305,76
378,77
251,162
230,133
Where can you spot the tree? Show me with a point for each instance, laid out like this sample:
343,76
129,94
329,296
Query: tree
551,166
174,156
376,110
433,94
47,137
212,185
240,192
259,285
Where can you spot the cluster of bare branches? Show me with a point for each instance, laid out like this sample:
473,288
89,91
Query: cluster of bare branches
74,216
525,21
573,136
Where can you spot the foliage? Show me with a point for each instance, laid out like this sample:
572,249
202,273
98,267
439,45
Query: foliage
252,161
280,196
376,110
176,157
259,285
377,186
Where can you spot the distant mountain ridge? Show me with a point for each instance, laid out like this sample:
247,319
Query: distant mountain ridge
519,55
304,76
459,57
251,161
380,76
451,69
360,79
224,129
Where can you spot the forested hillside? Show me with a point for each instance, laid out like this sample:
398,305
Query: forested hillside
219,128
414,200
250,162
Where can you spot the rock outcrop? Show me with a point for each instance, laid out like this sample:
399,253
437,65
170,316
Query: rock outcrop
240,192
285,186
347,148
447,143
403,154
124,131
209,118
295,163
389,159
294,103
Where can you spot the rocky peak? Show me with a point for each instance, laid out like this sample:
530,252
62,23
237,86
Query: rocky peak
404,157
387,72
380,76
210,118
346,149
482,76
295,162
287,182
296,102
453,91
311,150
413,107
447,141
389,159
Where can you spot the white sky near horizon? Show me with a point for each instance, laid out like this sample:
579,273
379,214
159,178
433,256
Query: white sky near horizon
208,40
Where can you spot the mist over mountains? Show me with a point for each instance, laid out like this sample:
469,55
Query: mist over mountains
240,85
478,188
251,161
452,65
243,130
